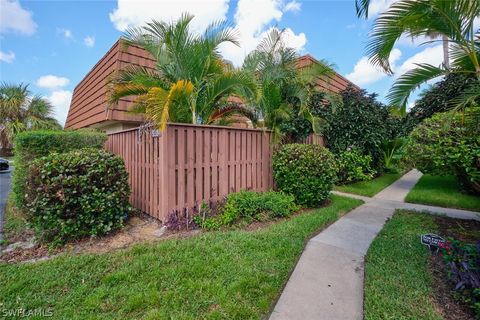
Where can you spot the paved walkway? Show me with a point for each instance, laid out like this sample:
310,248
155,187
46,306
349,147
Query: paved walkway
5,181
327,282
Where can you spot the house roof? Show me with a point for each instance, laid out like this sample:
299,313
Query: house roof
89,105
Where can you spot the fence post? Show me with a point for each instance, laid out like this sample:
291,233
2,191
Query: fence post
162,167
222,159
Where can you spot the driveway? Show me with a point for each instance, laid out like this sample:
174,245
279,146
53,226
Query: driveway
5,184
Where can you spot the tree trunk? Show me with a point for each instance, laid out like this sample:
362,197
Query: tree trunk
446,58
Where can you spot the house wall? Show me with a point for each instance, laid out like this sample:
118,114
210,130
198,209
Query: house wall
90,105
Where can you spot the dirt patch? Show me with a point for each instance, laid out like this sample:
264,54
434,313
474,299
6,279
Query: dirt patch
139,228
446,305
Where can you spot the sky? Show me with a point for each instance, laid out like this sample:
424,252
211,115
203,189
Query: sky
51,45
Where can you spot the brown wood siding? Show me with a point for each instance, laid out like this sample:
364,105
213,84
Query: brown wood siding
89,101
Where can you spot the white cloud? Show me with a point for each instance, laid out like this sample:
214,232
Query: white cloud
432,55
378,6
89,41
7,57
60,99
131,13
253,20
292,6
52,82
365,73
66,33
14,18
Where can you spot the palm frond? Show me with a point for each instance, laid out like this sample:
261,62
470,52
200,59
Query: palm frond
408,82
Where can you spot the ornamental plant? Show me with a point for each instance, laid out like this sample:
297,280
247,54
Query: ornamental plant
463,266
31,145
354,166
77,194
449,144
247,206
308,172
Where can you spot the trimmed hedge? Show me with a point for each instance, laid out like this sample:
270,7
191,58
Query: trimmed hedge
307,172
31,145
76,194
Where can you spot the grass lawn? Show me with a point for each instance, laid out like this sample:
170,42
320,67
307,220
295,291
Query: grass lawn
234,274
443,192
372,187
398,284
15,224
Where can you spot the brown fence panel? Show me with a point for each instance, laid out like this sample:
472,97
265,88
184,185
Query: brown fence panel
187,164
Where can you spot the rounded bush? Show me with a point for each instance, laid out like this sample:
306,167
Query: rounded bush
76,194
307,172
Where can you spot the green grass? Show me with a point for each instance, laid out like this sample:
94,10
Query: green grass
443,192
15,223
372,187
228,274
398,284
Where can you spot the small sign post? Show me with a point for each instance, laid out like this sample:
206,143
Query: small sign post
433,241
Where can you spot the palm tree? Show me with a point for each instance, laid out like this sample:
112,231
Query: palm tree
191,82
450,19
282,82
20,111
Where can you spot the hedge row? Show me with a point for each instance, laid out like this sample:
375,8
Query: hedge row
31,145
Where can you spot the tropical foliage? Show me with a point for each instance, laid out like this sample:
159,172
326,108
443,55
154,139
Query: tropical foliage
360,122
445,145
20,111
191,83
452,20
286,86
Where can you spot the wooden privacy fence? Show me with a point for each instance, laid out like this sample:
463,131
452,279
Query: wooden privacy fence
187,164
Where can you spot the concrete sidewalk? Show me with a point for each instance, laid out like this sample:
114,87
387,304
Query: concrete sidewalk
327,282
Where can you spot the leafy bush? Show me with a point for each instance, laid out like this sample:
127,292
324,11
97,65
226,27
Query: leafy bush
31,145
438,97
449,144
393,154
354,166
307,172
463,266
76,194
360,122
249,206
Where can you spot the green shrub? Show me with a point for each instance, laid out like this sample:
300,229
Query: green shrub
307,172
31,145
360,122
249,206
76,194
354,166
449,144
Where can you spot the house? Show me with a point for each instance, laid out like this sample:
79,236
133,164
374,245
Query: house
90,108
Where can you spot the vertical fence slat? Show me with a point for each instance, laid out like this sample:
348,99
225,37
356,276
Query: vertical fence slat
186,164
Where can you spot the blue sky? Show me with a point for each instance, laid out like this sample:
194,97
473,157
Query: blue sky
51,45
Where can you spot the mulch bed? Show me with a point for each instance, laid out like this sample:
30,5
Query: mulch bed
464,230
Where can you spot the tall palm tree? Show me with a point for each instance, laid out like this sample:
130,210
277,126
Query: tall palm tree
191,83
450,19
20,111
282,83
